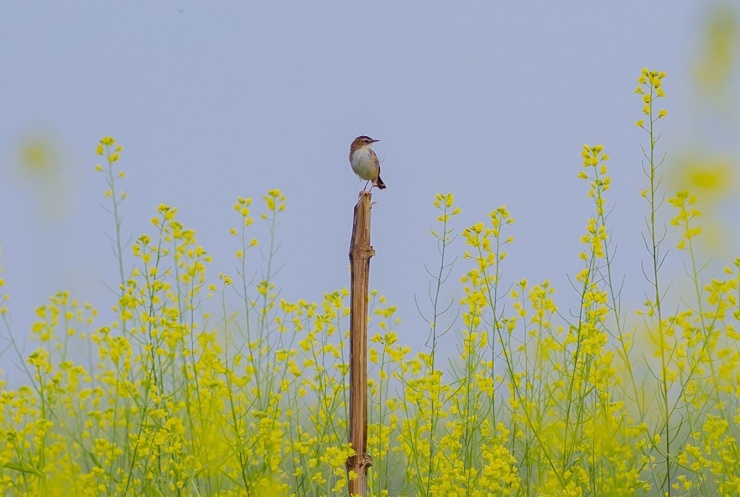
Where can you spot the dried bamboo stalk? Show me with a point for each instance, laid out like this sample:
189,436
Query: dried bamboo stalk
360,252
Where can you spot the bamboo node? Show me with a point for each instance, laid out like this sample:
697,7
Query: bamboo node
359,461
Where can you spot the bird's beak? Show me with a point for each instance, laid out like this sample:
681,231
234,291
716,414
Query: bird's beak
374,141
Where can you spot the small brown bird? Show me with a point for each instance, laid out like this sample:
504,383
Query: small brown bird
364,162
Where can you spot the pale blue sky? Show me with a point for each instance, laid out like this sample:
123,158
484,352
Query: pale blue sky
213,100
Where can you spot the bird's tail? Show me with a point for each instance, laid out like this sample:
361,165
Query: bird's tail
379,183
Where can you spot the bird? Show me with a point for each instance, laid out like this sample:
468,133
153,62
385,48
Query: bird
364,162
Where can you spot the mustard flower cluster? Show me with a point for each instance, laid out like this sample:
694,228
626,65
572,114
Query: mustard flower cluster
684,202
108,149
650,86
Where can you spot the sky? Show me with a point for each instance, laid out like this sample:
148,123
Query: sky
492,101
